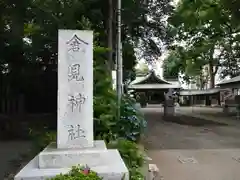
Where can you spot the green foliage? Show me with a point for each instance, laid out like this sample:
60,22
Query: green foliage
172,65
232,7
106,124
105,104
132,122
129,58
131,155
129,61
38,21
129,151
41,138
77,173
207,31
136,174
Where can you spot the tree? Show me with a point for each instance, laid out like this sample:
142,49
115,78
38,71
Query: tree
141,29
172,65
101,14
29,31
205,27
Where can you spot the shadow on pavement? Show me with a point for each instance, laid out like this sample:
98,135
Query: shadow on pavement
191,121
184,132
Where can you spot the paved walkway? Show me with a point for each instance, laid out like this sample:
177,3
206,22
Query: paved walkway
185,152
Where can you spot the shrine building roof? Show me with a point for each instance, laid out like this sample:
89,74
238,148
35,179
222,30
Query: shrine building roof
152,81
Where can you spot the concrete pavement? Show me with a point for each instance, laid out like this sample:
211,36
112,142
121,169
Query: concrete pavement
206,164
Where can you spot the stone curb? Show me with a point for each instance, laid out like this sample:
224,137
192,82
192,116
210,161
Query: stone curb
153,172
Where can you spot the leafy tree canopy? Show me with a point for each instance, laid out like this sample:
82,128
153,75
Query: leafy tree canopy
39,21
205,32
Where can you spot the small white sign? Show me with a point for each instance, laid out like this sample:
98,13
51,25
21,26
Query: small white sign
75,89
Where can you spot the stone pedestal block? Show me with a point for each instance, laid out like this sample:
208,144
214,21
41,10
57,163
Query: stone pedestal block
112,167
51,157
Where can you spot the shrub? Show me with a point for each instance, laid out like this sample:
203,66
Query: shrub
107,126
132,122
78,173
105,100
132,157
129,151
135,174
41,138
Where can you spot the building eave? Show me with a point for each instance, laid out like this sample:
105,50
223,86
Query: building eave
192,92
154,86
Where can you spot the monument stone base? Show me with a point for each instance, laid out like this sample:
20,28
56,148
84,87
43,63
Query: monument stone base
51,162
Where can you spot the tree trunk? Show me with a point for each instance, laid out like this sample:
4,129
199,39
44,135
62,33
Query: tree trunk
211,75
201,81
211,69
110,34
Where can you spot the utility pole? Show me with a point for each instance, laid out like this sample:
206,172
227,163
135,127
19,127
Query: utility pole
119,56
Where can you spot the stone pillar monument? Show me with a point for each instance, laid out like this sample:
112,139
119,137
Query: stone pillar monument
75,144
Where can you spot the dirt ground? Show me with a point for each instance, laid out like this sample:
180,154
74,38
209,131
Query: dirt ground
183,132
214,146
10,154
